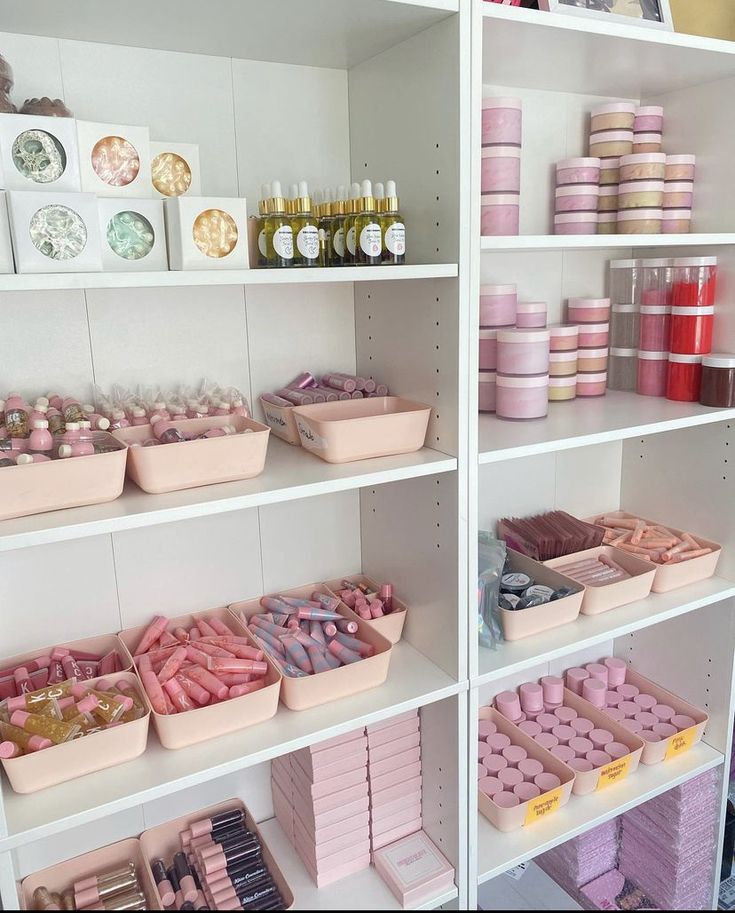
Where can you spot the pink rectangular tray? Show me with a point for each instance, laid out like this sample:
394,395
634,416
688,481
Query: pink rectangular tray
59,877
390,626
313,690
190,464
75,482
41,769
527,622
360,429
672,576
599,599
163,841
208,722
281,421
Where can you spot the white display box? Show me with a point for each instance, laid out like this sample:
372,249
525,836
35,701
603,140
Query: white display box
6,245
175,170
207,232
55,232
133,235
39,153
114,159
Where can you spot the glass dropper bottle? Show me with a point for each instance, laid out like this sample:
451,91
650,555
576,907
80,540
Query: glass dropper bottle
351,211
368,236
394,229
339,211
305,229
278,231
324,217
263,206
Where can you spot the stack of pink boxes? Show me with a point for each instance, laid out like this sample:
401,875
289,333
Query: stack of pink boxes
502,132
394,772
320,797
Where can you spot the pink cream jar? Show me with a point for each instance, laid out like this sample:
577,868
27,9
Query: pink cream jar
591,384
594,335
649,119
609,171
487,391
564,338
562,364
678,195
531,314
613,116
488,350
575,223
500,214
640,195
498,306
578,171
607,223
501,169
592,361
589,310
522,397
640,221
676,221
680,167
502,121
647,167
653,368
577,198
608,199
523,352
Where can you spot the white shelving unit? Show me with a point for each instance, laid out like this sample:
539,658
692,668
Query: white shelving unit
340,91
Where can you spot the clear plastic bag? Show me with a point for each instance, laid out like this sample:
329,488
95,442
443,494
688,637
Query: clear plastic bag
491,561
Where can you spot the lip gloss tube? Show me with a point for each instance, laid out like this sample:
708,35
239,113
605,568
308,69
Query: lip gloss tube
217,822
10,750
205,678
20,737
165,888
222,664
152,634
343,653
186,881
297,655
56,730
347,627
308,614
239,878
172,665
352,643
179,698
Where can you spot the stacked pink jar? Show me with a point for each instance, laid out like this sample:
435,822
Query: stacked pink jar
652,373
502,130
648,129
498,307
577,193
531,315
523,373
564,341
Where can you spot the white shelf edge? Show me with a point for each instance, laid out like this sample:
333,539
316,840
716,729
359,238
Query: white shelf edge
367,891
173,278
413,681
646,783
506,243
711,591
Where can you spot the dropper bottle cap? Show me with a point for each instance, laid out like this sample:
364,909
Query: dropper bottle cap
265,193
354,201
367,200
303,200
318,200
379,197
278,201
338,207
391,197
293,193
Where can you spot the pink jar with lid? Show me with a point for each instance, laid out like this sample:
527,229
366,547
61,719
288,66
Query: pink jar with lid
487,381
611,143
607,201
592,384
594,335
655,328
653,369
649,119
488,350
676,222
607,223
564,337
500,214
592,361
502,121
640,221
648,142
575,223
578,171
522,397
643,167
562,389
680,167
523,352
501,169
577,198
678,194
498,305
562,364
531,314
619,115
588,310
684,378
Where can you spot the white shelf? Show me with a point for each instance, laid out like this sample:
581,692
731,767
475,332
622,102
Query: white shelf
596,420
173,278
588,630
290,473
323,33
533,890
491,244
595,57
413,681
497,852
367,890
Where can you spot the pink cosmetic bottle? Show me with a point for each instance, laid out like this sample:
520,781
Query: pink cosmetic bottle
73,433
38,413
98,422
119,420
54,400
40,439
239,407
160,410
81,448
138,416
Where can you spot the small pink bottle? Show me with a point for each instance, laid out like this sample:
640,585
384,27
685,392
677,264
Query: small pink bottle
119,420
97,421
73,433
239,407
38,413
81,448
40,439
138,416
160,410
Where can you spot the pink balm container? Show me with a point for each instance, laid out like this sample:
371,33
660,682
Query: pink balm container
680,167
575,679
629,709
575,223
494,763
640,221
530,768
564,734
526,791
576,198
642,167
500,214
581,765
514,754
594,335
532,697
502,121
599,758
628,692
508,703
600,737
486,728
548,722
676,222
490,786
616,671
653,370
592,384
488,350
563,753
546,740
487,391
506,800
523,352
582,726
617,750
553,689
498,306
531,314
510,777
578,171
594,691
497,743
522,397
600,672
649,119
563,338
581,746
588,310
501,169
678,195
565,715
531,728
655,328
547,781
591,361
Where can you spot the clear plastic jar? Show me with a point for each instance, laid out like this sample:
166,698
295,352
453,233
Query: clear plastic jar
655,329
694,282
653,368
625,326
625,280
656,278
623,369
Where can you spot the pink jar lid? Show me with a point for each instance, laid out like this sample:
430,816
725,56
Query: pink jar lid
565,715
677,215
498,742
632,726
682,721
692,311
487,377
678,186
652,309
581,746
490,290
645,701
649,111
563,381
490,786
611,191
494,763
563,356
618,107
506,800
530,768
483,751
589,302
629,708
553,688
547,782
531,307
617,669
501,152
563,732
574,218
533,380
589,162
717,360
646,719
681,159
592,378
649,736
617,750
665,730
641,187
599,758
623,353
508,703
526,791
640,215
664,712
694,261
611,136
653,356
612,699
615,714
523,336
530,727
564,329
578,190
593,353
532,697
628,692
501,199
598,671
510,777
489,334
563,753
514,754
594,328
546,740
643,158
486,728
502,101
581,765
649,136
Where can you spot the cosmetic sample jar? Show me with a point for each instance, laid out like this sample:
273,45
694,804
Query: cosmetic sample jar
502,121
640,221
577,198
531,314
649,119
655,329
609,171
614,116
624,326
500,214
562,364
488,350
607,201
588,310
562,389
643,167
680,167
594,335
718,381
684,381
501,169
691,330
487,391
564,337
648,143
623,369
653,369
611,143
523,352
578,171
656,279
694,281
676,222
592,361
575,223
591,384
498,304
640,195
607,223
522,397
678,194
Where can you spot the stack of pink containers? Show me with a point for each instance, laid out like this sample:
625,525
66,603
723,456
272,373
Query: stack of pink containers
498,310
592,316
394,775
501,166
321,800
678,194
577,196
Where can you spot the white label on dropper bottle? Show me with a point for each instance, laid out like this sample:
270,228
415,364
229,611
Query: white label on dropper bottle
283,242
262,247
395,239
370,240
352,241
307,242
339,242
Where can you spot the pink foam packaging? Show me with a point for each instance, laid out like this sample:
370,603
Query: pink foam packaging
395,747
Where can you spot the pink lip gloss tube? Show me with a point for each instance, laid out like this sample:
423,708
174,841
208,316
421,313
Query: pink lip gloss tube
318,660
343,653
179,698
172,665
297,655
274,604
352,643
302,381
152,634
347,627
205,678
198,694
330,603
308,614
222,664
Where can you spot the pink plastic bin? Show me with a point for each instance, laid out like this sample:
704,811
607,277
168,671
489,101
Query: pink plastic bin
58,484
183,729
360,429
173,467
390,626
281,421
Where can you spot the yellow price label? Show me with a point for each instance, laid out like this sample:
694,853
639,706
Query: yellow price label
544,805
615,772
681,742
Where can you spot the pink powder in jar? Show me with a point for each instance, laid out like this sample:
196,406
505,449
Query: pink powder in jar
500,214
578,171
522,397
502,121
